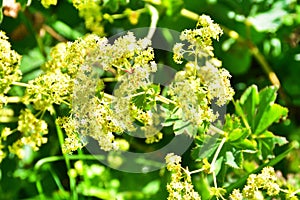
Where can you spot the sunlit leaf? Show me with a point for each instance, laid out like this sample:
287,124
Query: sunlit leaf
230,160
267,111
152,187
205,149
266,144
65,30
270,20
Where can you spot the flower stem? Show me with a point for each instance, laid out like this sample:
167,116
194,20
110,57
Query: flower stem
39,188
66,158
51,159
5,119
196,171
294,193
154,19
109,79
213,162
20,84
165,100
217,130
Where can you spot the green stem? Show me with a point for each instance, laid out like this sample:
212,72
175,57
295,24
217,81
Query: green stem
214,160
66,158
217,130
20,84
56,180
109,79
196,171
5,119
165,100
154,19
189,14
39,188
294,193
31,30
51,159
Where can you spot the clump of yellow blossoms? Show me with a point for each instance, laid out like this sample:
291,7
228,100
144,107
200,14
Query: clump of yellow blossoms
100,117
90,11
180,186
203,80
256,183
9,73
48,3
9,66
33,131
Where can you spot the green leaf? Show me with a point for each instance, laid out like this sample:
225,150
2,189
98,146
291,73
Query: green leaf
184,127
270,20
204,188
246,145
140,100
218,164
32,61
173,6
249,100
234,128
239,183
237,134
146,99
266,144
152,187
205,149
258,108
169,122
239,158
114,5
267,111
66,31
270,115
230,160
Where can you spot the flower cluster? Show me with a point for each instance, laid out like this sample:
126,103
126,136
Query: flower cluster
47,89
190,97
9,65
69,57
47,3
200,39
101,116
55,86
72,142
33,131
181,186
5,132
266,180
203,79
90,11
